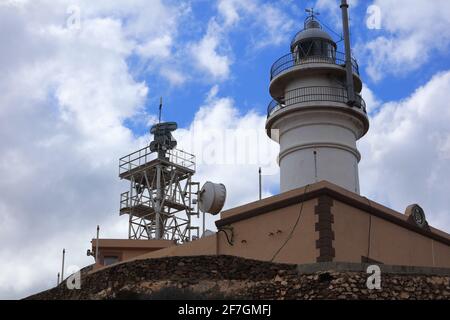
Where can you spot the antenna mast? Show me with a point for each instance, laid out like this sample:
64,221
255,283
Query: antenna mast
96,244
62,267
260,184
160,109
348,54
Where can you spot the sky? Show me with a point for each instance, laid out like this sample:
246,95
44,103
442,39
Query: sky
80,83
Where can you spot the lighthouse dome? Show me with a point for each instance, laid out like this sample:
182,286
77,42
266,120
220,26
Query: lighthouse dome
313,37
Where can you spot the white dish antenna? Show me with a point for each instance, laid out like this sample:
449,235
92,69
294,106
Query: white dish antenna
212,197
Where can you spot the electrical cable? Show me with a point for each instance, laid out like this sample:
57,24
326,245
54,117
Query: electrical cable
337,34
293,228
230,242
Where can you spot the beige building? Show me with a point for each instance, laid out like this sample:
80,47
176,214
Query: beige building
318,223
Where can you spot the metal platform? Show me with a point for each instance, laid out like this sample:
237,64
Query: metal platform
143,160
147,212
162,197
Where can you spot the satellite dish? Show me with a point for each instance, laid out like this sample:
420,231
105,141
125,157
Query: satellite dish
212,197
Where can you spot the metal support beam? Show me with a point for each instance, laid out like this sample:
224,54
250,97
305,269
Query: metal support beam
348,54
159,197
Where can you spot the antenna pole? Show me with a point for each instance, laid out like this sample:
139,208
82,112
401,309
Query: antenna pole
260,184
160,109
96,244
348,53
62,268
203,234
57,281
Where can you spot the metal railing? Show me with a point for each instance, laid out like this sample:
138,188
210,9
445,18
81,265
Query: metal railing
292,60
145,155
127,202
314,94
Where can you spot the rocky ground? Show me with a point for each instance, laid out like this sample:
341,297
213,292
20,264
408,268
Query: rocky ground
227,277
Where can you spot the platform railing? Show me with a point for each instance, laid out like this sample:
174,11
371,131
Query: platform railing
314,94
291,60
145,155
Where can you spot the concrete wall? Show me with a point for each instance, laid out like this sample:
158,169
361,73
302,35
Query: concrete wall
126,249
262,236
331,135
359,234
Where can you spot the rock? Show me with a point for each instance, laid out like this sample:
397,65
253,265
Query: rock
404,295
278,278
243,279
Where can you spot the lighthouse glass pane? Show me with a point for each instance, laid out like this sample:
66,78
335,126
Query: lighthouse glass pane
317,48
305,49
330,51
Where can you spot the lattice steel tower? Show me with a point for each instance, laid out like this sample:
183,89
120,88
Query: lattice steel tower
162,198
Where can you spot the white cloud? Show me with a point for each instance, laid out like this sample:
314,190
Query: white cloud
406,152
174,76
278,27
231,10
206,52
159,47
266,23
412,36
270,24
372,102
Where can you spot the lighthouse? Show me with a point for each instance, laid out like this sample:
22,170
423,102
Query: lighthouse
317,113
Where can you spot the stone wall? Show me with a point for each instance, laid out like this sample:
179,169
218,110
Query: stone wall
230,277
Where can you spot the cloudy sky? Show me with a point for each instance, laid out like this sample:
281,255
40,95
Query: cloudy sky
80,82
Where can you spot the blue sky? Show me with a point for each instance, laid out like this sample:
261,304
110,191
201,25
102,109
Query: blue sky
249,72
81,82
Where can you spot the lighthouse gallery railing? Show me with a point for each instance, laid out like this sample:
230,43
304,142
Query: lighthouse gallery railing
313,94
292,60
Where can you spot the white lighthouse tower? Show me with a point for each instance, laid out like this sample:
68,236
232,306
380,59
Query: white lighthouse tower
317,114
